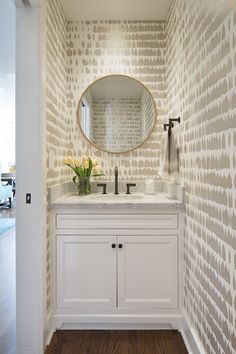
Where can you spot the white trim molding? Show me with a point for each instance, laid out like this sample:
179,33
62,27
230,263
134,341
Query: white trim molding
179,321
30,217
190,337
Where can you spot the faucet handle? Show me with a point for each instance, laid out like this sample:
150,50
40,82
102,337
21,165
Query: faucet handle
104,186
128,185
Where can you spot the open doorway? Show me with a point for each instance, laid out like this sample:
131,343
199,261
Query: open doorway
29,243
7,182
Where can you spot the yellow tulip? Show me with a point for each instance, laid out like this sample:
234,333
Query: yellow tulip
77,163
85,163
65,160
96,170
95,163
68,160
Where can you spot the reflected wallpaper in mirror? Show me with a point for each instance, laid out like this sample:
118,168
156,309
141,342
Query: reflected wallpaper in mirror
116,113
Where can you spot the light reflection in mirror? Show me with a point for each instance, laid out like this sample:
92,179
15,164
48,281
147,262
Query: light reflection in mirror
116,113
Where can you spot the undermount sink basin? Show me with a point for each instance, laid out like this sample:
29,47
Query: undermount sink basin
115,197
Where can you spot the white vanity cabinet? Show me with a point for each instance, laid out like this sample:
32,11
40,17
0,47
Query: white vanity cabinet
147,271
117,272
86,271
116,267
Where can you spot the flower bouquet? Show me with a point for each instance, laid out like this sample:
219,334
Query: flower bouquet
83,171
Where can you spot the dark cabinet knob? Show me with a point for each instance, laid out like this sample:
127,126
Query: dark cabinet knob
120,245
113,245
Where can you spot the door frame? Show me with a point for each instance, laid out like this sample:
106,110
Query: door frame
30,178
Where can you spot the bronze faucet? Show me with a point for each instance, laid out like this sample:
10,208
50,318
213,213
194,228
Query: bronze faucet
116,180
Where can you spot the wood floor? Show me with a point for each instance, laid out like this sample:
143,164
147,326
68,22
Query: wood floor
7,286
116,342
7,293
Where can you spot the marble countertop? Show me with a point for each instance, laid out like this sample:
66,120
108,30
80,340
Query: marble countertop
111,201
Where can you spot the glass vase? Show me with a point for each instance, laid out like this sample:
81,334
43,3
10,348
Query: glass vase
84,187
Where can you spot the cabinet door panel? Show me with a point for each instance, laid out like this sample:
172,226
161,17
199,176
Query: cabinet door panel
86,271
148,272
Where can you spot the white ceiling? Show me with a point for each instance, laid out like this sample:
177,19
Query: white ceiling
116,9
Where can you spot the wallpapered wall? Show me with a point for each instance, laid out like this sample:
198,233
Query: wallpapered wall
137,49
147,114
201,87
57,138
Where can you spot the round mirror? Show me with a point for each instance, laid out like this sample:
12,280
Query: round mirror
116,113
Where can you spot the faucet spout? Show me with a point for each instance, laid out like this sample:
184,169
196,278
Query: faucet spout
116,181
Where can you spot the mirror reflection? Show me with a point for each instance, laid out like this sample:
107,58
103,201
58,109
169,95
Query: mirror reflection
116,113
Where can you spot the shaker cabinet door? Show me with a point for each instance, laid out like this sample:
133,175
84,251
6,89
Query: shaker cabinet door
147,272
86,272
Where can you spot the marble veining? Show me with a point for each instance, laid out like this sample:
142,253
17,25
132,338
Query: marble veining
134,201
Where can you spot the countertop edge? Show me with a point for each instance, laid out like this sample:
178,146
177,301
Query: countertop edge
110,205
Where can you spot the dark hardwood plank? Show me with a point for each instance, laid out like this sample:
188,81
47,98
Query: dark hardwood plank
116,342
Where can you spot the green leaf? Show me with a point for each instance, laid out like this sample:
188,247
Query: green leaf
89,169
79,171
71,167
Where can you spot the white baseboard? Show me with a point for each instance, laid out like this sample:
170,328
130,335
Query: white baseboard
49,330
117,321
190,337
182,323
49,337
112,326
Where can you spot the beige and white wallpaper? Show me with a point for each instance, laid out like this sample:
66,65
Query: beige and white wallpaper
189,65
112,115
137,49
201,88
57,139
57,120
147,115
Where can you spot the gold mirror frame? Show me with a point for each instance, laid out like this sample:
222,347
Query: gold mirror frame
135,147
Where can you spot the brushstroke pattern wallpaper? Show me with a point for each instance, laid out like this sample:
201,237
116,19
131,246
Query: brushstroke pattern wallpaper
201,87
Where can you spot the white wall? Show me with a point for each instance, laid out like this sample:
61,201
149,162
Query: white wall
7,84
30,218
7,37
